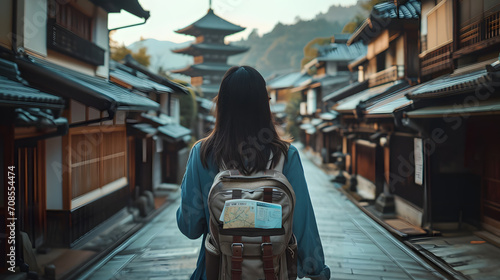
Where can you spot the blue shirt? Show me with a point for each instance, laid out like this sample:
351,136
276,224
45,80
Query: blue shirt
193,215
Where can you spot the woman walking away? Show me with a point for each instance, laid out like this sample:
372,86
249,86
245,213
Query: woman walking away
245,139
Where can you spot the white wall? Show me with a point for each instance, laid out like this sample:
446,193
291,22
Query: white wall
6,23
157,170
331,68
390,56
77,112
70,63
35,26
101,39
175,108
94,114
400,51
54,173
311,101
120,117
426,7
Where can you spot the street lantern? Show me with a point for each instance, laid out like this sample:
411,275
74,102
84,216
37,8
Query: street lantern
340,163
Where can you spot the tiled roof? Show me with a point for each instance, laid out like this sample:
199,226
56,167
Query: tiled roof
207,104
288,80
454,84
174,132
16,92
39,118
210,90
199,49
485,107
383,15
132,64
342,52
278,107
408,10
389,94
387,105
140,84
197,69
210,22
349,104
92,91
346,91
115,6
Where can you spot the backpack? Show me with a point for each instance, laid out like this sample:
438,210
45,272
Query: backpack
248,252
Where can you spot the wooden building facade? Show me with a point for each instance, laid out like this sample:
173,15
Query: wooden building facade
68,139
420,123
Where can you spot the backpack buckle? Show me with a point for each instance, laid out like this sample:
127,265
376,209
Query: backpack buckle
237,244
265,244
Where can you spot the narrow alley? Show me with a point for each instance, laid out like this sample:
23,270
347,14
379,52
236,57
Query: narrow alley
355,246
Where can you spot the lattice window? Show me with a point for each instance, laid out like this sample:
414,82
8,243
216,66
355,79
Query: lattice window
69,17
97,158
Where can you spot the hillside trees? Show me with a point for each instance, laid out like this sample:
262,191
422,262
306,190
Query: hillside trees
359,18
281,50
118,52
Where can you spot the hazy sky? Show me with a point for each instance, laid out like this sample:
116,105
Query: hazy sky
168,16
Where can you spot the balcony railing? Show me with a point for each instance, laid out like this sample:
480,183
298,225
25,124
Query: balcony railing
67,42
484,29
436,60
390,74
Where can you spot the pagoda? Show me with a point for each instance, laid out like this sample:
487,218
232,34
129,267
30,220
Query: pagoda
209,51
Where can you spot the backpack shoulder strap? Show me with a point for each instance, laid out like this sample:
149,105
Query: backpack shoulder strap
281,162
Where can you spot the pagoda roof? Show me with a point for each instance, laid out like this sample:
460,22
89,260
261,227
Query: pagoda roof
203,68
201,48
210,22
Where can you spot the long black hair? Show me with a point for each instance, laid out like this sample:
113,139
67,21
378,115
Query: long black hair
244,136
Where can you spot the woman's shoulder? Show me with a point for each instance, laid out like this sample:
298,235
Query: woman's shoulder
293,156
292,150
195,153
196,146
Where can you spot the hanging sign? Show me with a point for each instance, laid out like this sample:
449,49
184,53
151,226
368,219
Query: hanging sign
419,161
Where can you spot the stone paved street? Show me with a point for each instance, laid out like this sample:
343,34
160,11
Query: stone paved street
355,246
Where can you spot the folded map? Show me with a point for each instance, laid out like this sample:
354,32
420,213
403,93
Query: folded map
247,213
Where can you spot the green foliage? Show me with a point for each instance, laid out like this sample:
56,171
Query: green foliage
188,109
187,103
292,111
119,53
282,48
311,49
367,5
351,26
359,18
142,56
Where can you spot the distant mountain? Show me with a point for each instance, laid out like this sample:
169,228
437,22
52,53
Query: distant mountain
161,54
282,49
278,51
341,14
